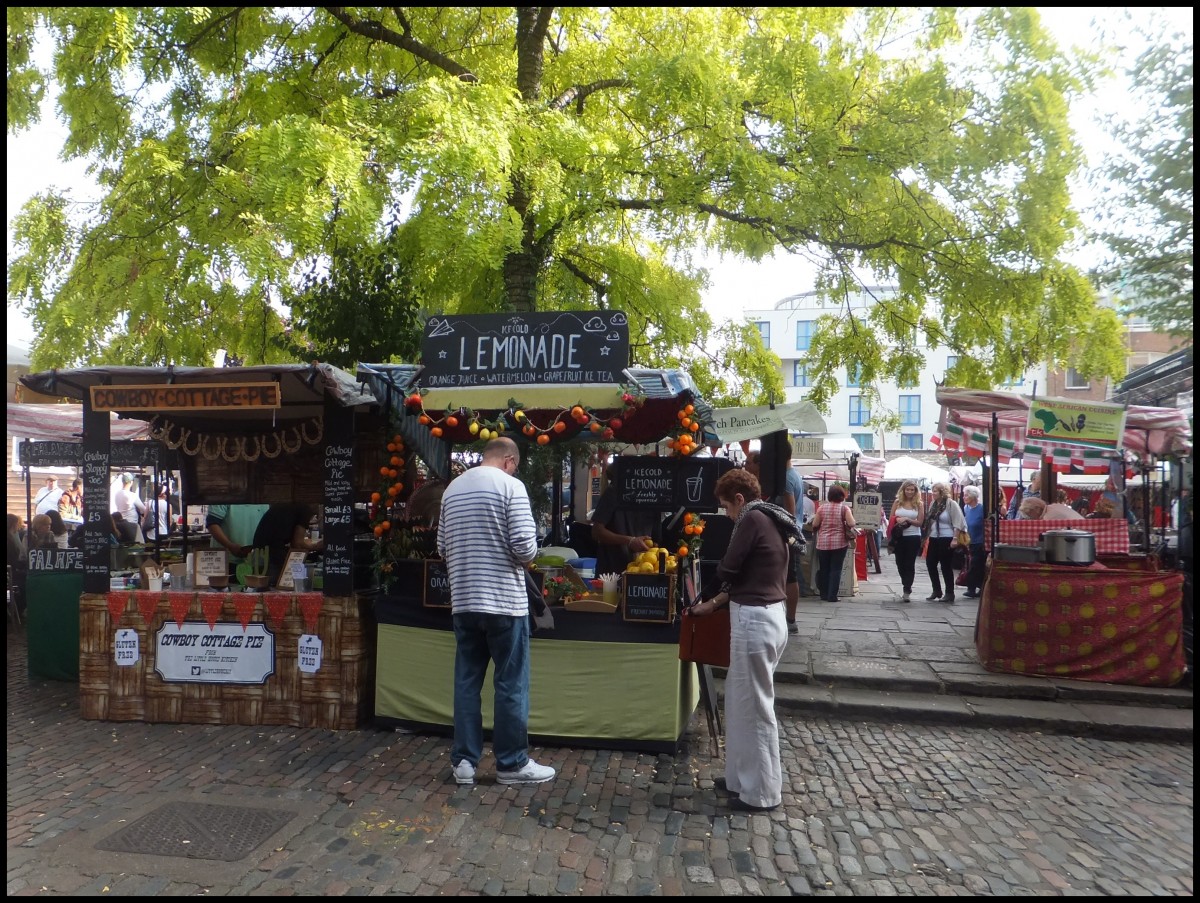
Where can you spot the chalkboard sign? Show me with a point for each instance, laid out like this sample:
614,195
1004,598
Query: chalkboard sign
338,517
561,348
49,454
437,584
285,580
667,484
649,598
97,521
135,454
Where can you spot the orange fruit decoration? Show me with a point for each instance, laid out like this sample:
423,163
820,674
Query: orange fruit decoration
683,551
384,471
559,426
689,409
375,496
543,439
437,431
423,419
378,530
452,421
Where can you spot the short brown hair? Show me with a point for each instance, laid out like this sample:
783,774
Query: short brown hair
737,480
836,494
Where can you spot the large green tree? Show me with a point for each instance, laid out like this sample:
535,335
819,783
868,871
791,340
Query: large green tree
1147,190
262,164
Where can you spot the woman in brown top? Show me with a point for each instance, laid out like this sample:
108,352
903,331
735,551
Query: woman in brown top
754,571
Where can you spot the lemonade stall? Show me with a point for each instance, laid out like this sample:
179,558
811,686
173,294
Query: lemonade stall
607,672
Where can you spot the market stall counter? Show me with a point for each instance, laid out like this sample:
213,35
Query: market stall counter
595,679
1109,624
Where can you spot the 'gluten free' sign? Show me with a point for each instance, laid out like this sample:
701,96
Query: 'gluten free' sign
208,397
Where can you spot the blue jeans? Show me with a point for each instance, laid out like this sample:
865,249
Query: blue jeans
503,640
829,572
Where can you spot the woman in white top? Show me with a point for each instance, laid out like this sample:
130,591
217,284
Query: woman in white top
942,521
909,512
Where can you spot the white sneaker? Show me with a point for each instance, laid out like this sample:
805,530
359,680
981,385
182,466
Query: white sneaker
907,597
530,773
464,773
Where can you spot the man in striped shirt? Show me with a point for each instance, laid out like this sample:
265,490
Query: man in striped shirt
487,536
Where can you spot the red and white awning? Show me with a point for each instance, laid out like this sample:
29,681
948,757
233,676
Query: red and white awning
64,423
966,422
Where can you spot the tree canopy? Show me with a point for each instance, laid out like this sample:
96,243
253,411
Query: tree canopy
293,182
1148,191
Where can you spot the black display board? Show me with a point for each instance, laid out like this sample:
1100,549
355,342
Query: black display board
338,525
649,597
558,348
49,453
667,484
56,453
437,584
97,517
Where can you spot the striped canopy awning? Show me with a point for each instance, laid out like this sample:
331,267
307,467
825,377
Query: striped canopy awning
966,422
64,422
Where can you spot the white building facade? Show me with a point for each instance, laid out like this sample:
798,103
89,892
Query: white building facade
787,330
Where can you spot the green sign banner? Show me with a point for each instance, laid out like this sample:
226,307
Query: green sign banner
1093,424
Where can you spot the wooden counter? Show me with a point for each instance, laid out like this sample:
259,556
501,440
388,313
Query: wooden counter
340,695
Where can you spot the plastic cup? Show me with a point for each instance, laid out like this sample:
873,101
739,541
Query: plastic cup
156,584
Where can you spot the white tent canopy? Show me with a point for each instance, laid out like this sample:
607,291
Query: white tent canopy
906,468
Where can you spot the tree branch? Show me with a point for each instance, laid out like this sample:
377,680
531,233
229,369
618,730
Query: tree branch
578,93
377,31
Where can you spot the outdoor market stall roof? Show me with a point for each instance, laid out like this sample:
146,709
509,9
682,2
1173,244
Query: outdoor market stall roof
966,421
302,389
663,392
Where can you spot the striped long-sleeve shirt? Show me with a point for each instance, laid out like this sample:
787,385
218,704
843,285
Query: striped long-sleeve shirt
486,535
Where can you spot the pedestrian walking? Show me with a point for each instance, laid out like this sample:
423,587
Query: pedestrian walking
753,572
977,557
487,537
943,520
832,523
908,515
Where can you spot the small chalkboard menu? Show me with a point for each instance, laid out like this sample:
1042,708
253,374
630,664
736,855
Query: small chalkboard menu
437,584
338,525
649,598
666,484
98,521
286,579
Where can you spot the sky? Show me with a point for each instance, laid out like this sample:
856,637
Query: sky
735,285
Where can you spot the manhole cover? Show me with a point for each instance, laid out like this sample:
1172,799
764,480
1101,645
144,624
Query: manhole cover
198,831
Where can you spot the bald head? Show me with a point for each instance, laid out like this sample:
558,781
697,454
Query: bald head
496,452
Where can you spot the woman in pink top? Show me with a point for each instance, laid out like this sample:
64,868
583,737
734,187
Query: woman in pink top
830,523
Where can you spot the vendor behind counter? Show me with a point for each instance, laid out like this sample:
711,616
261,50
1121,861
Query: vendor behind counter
284,527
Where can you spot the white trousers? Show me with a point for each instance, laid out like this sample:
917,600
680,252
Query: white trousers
757,638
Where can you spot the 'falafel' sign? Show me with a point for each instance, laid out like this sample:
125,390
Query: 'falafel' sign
558,348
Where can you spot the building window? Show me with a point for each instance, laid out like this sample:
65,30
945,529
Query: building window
912,440
866,441
1075,381
853,375
1012,383
910,410
764,330
860,410
799,374
804,330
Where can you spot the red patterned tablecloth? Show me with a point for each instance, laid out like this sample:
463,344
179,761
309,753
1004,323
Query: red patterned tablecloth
1112,536
1116,626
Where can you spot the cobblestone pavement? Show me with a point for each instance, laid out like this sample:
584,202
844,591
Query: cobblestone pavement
869,809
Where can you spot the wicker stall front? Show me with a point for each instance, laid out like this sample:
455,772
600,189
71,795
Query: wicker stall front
339,696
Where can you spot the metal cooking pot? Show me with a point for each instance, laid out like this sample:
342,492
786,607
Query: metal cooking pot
1069,547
